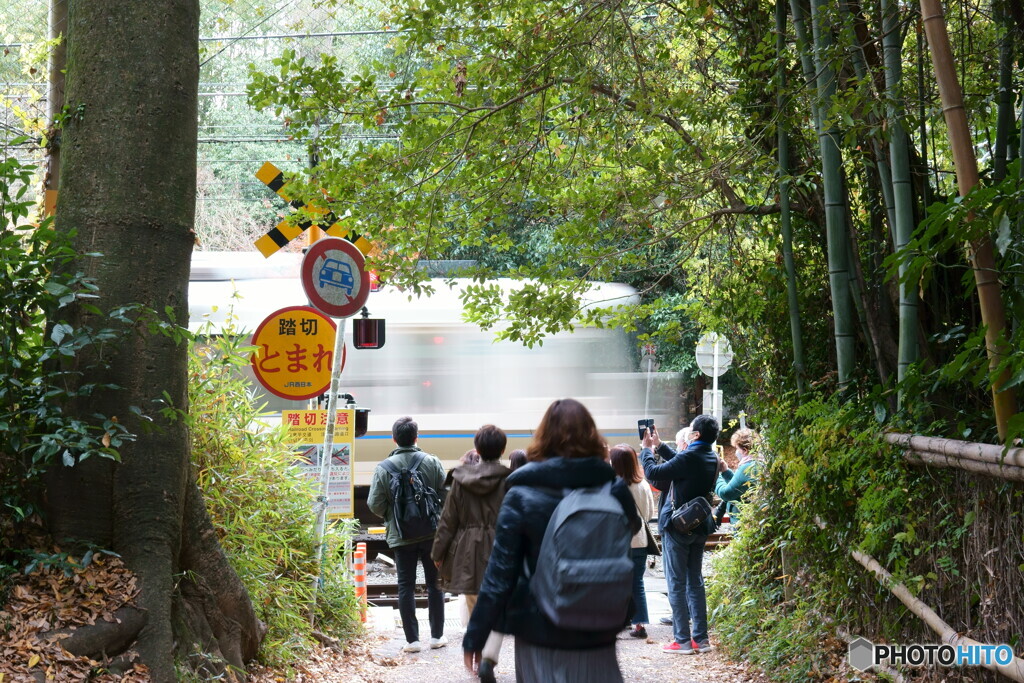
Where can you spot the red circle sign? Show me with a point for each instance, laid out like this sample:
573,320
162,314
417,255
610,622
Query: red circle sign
334,277
295,352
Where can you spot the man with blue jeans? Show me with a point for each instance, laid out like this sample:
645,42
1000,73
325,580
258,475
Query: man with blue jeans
692,471
410,551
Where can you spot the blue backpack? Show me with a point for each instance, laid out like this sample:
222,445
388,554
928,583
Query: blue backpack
584,577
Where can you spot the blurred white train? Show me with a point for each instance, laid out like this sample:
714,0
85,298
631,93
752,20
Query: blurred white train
450,376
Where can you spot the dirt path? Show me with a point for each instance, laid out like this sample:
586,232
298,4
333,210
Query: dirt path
377,658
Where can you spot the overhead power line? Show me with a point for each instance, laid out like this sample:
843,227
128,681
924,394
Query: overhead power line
295,36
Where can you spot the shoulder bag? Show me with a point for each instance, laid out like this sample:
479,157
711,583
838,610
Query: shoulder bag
689,516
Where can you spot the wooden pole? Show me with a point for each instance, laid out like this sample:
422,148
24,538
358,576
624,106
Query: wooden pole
980,251
1014,670
1009,472
981,452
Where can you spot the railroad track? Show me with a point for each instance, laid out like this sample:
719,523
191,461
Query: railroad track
386,595
375,544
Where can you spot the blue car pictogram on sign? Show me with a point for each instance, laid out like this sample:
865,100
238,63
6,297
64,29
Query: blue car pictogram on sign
335,273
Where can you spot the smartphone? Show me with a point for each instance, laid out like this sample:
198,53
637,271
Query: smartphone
643,425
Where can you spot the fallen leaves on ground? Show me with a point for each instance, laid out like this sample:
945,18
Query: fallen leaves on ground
58,597
358,664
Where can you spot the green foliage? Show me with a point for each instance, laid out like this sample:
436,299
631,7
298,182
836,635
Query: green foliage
40,354
261,508
543,142
830,485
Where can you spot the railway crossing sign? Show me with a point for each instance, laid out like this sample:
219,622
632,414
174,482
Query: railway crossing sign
295,352
334,277
285,231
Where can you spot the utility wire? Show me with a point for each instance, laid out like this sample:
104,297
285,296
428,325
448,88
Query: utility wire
263,21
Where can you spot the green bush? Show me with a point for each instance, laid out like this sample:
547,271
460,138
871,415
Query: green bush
261,509
829,485
39,353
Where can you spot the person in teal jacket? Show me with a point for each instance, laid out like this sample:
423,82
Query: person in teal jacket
731,486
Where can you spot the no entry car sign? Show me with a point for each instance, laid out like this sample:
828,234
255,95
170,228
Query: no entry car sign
334,277
295,352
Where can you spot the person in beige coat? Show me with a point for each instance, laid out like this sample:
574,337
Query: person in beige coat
465,532
627,466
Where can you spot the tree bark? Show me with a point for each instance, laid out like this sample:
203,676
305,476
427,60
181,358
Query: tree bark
128,193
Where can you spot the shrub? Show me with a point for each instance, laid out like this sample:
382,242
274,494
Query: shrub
262,510
826,464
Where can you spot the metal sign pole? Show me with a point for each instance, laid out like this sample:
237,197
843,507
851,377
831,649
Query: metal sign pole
328,454
714,386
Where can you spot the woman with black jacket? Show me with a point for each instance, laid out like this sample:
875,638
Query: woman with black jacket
567,453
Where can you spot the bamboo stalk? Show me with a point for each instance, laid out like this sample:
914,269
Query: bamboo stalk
1009,472
980,252
1004,111
1014,670
799,368
979,452
835,194
903,189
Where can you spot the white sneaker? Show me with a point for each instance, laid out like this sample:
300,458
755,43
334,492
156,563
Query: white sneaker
414,646
438,642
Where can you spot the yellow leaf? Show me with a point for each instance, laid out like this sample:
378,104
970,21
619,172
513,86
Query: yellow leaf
33,660
106,439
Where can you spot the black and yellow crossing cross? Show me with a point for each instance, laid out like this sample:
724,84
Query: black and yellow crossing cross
286,231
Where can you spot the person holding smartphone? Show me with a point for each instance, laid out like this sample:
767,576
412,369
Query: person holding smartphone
690,472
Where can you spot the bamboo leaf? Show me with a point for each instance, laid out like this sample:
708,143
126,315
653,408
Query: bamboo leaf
1014,381
1003,236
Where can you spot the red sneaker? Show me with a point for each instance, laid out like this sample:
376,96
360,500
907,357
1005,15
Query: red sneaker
679,648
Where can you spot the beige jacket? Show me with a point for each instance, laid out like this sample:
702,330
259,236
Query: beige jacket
644,500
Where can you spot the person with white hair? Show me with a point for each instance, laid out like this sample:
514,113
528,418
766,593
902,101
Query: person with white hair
683,437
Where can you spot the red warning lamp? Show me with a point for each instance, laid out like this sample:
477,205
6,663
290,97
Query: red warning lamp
362,418
367,332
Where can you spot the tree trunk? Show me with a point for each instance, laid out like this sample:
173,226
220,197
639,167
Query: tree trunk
128,192
799,367
981,252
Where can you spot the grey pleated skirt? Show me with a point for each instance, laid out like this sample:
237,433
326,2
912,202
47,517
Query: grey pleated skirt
535,664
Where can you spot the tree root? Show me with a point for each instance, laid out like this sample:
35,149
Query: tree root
328,642
216,628
104,638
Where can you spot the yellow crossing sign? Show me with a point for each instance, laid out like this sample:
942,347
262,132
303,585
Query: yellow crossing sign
285,231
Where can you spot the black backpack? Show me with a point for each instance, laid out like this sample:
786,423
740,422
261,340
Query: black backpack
416,507
584,577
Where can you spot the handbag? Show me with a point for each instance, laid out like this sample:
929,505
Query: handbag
690,515
653,547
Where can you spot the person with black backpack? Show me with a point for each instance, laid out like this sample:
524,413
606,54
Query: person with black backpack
407,490
560,578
